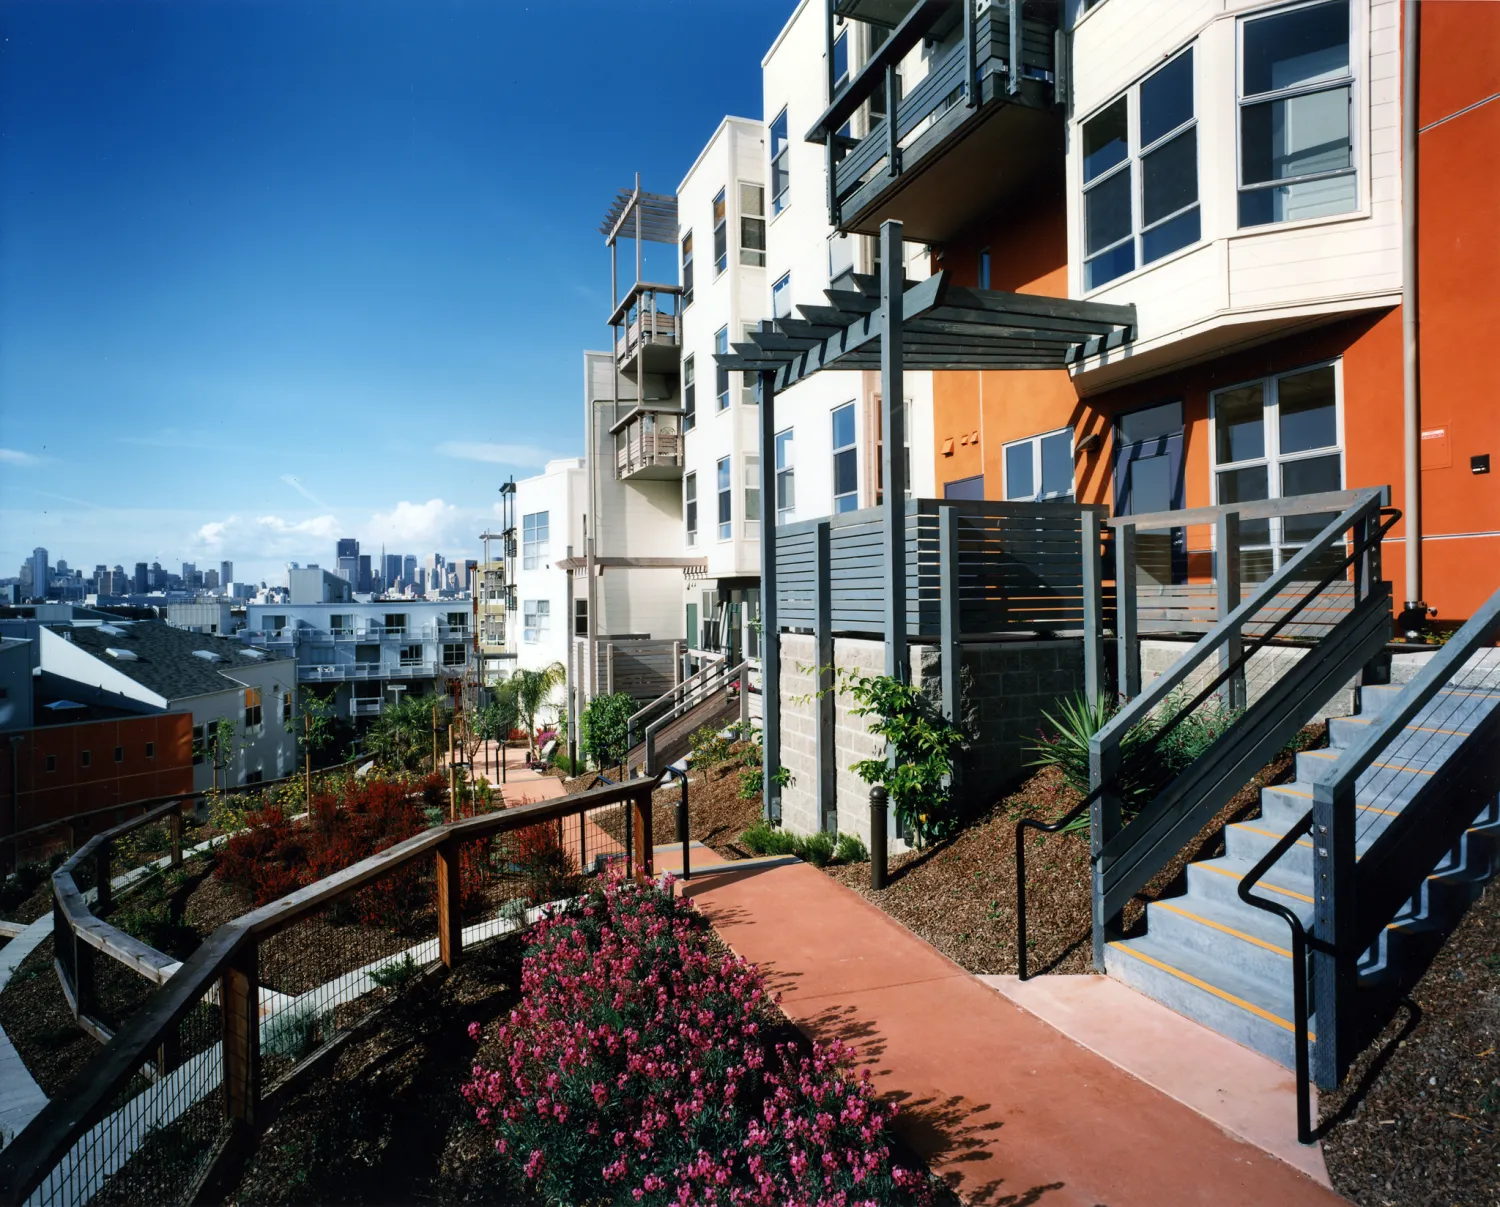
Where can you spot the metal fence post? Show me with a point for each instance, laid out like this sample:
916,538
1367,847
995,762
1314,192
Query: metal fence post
239,999
1127,632
175,823
879,825
1227,537
1093,618
1335,974
450,925
1104,824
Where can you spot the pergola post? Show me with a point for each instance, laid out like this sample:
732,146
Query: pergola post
893,446
770,624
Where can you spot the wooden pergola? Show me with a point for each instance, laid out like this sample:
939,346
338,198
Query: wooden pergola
891,324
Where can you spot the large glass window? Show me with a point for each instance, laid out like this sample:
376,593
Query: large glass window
786,478
845,460
687,269
534,529
1121,231
752,225
690,507
1273,439
1296,97
689,395
536,620
721,233
726,500
1040,467
748,395
721,374
781,156
752,496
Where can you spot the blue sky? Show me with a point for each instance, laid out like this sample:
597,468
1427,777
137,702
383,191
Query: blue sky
273,273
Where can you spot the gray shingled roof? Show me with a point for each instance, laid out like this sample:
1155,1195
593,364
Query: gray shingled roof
164,659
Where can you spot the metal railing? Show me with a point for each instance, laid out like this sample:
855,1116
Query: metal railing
1358,895
691,699
1231,722
180,1091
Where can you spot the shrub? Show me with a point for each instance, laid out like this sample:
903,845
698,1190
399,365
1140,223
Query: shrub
851,849
21,885
638,1069
604,723
709,747
395,974
296,1034
816,849
926,746
537,858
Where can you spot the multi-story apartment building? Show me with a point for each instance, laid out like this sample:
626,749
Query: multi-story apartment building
549,512
365,654
1235,171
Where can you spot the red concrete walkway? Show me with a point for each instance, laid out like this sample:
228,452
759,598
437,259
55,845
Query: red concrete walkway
1004,1106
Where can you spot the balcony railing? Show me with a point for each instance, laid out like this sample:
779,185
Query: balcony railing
991,97
365,708
648,445
648,329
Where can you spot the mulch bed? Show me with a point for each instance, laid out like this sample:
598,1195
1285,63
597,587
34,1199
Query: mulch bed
1417,1121
35,1016
960,895
35,906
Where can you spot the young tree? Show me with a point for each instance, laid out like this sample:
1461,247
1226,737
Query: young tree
533,690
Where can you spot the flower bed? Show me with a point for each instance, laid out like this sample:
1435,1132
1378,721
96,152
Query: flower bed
639,1068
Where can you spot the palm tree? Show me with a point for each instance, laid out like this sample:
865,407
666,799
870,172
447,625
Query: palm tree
400,736
533,690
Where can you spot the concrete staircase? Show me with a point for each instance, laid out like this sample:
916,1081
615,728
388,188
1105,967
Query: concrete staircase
1210,956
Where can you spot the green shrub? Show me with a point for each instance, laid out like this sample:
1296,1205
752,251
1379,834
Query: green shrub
395,974
604,725
752,783
851,849
709,747
816,849
764,839
297,1034
926,745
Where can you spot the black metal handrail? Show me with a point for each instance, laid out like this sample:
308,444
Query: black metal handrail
683,834
1299,969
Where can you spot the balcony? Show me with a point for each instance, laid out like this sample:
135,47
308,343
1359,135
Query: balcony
365,708
648,445
648,330
958,151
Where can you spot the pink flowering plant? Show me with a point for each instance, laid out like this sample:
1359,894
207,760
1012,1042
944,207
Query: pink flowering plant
640,1067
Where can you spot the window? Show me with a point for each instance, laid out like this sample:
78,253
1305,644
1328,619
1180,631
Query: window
274,624
845,460
1272,439
786,478
1296,95
690,507
752,225
721,382
781,155
119,754
52,762
983,274
200,743
840,64
252,708
840,259
687,269
454,653
411,655
536,620
286,707
748,393
1166,216
781,297
534,532
726,500
581,617
85,758
689,395
254,777
395,624
1040,467
752,496
340,624
721,234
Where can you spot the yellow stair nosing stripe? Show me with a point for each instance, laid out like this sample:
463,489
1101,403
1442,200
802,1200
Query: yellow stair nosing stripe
1228,930
1245,825
1452,733
1285,892
1213,989
1330,754
1308,796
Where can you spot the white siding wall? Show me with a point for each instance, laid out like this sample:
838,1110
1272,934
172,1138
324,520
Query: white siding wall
559,491
1236,281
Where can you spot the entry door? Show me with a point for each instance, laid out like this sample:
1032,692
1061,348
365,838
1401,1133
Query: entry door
1148,478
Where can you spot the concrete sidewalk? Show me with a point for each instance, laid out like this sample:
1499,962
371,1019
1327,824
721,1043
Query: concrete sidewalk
1006,1107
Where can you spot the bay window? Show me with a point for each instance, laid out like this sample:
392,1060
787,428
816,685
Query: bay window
786,478
726,499
721,234
781,156
752,225
845,460
690,507
721,374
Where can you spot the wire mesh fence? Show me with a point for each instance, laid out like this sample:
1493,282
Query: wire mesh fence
159,1131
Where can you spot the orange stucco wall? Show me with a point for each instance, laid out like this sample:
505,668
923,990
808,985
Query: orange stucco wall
975,414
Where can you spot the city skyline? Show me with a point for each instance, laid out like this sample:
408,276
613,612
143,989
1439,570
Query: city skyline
304,306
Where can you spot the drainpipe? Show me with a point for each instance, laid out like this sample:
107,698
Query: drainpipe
1415,608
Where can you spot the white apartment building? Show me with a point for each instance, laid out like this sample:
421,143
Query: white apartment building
549,526
722,214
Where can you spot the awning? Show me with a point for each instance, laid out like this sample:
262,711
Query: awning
945,326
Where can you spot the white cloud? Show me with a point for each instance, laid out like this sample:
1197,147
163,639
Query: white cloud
430,525
495,454
14,456
269,536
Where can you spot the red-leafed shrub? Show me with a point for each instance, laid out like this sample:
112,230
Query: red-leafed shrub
536,855
638,1070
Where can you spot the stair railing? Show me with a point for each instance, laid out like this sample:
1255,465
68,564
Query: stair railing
691,701
1127,757
692,684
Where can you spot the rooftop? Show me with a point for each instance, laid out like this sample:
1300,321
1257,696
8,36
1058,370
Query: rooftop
168,661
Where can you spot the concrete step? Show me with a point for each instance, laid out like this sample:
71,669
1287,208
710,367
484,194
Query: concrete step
1252,943
1217,880
1251,1011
